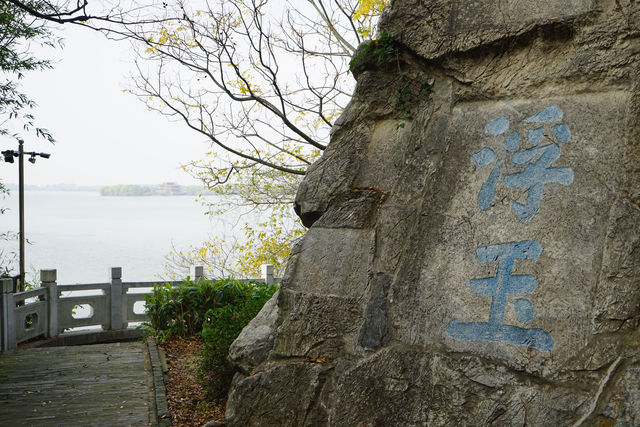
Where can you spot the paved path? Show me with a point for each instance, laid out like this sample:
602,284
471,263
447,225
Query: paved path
102,384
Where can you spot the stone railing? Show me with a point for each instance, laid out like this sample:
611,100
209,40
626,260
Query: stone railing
49,310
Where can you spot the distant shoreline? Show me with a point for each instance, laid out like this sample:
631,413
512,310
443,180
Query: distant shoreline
55,187
122,190
164,189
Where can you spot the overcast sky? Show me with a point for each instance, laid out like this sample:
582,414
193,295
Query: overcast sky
104,136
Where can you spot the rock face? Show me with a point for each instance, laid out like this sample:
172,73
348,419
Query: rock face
474,257
256,340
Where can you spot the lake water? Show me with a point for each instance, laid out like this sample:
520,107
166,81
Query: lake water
82,234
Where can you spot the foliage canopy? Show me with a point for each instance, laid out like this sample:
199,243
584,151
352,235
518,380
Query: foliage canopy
18,32
264,85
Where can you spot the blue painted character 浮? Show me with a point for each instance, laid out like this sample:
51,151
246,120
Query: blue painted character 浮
484,158
487,156
499,287
535,176
537,161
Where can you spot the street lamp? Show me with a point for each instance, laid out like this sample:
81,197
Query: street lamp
8,157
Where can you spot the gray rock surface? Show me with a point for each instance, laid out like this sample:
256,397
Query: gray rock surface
256,340
474,257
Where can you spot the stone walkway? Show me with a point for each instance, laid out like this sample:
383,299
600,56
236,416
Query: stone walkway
102,384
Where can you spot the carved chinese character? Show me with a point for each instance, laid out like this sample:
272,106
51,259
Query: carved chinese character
536,160
499,287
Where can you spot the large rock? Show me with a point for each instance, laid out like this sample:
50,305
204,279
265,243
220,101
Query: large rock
474,257
254,343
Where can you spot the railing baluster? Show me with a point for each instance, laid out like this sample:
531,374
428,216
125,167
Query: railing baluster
8,315
267,274
115,277
196,272
49,280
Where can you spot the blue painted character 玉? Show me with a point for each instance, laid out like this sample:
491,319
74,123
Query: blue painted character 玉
499,287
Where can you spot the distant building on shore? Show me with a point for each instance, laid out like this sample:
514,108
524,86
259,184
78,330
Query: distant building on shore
169,189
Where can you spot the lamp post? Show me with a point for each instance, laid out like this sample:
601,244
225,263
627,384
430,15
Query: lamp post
8,157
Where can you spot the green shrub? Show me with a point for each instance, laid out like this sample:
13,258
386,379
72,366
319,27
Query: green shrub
222,327
216,310
180,311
